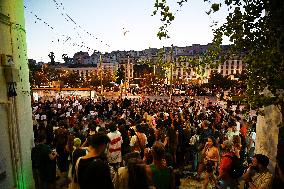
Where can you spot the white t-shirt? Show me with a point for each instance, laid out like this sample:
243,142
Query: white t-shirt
194,139
43,117
37,116
253,138
230,134
134,139
114,150
238,126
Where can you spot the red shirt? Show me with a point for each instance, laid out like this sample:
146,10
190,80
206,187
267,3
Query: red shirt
225,165
244,131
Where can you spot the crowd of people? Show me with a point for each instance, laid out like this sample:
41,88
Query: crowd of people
143,143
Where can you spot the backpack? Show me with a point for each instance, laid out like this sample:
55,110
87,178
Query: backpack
237,168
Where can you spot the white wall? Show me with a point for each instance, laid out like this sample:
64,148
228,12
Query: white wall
15,148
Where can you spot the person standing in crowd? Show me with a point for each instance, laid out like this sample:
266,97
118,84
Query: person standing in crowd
226,180
61,138
88,117
92,169
35,153
46,164
77,152
251,142
209,161
162,176
257,175
138,141
114,148
171,141
132,175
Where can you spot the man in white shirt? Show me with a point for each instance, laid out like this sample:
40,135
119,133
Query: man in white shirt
114,149
232,132
251,145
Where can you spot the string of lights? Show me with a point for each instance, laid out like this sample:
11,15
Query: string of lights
61,37
68,18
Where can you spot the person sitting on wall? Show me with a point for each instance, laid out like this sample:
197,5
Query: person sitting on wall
257,175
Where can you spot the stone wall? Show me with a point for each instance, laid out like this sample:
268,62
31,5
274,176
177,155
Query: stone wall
267,134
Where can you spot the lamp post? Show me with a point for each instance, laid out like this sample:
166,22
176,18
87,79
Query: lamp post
128,69
101,74
171,74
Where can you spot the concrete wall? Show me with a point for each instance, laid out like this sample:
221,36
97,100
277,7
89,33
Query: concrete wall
267,134
15,148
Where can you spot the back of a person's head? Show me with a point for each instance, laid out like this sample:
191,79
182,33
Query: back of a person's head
61,124
236,139
262,159
137,174
158,150
77,142
92,127
102,130
131,155
41,138
112,127
98,139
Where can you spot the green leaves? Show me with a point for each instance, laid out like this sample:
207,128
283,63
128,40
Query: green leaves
166,17
215,7
256,30
120,74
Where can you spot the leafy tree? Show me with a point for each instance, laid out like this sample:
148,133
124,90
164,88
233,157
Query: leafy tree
108,77
33,76
141,69
217,80
52,74
95,81
242,78
65,58
256,30
120,75
72,79
42,75
52,58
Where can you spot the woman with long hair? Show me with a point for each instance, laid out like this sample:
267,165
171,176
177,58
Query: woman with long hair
210,161
133,174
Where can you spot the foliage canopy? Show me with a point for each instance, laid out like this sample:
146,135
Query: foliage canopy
256,30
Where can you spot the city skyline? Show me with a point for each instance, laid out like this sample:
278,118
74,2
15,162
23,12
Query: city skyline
66,27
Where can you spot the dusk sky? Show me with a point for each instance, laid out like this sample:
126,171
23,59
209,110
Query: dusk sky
50,28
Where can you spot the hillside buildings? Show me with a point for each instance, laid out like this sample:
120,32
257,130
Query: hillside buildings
166,58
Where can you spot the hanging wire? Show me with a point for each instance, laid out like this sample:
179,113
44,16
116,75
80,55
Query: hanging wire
61,6
38,19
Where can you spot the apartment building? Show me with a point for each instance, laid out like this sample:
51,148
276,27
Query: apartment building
181,70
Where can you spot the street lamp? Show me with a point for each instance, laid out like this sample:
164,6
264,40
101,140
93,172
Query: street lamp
101,74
